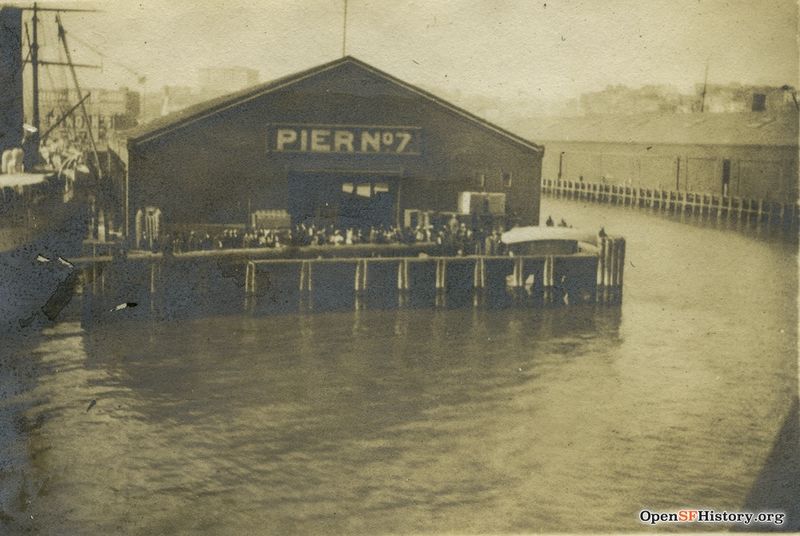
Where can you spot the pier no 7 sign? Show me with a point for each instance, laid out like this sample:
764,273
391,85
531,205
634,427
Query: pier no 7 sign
344,139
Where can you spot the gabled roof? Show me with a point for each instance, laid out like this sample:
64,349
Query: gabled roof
746,128
176,120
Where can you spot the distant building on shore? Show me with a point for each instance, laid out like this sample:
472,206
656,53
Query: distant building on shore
109,110
171,99
626,100
714,98
747,154
222,80
733,98
212,82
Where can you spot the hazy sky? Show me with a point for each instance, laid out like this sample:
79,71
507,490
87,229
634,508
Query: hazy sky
507,48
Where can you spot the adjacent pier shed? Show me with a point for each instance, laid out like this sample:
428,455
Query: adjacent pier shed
343,143
752,155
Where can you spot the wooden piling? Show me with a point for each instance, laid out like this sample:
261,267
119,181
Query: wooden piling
402,275
155,270
608,279
602,262
441,298
548,278
622,247
305,276
620,260
360,283
479,276
250,278
703,205
441,273
454,280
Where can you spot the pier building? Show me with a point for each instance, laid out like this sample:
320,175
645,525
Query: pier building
343,143
751,155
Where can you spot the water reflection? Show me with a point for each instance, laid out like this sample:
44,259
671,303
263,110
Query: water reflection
420,420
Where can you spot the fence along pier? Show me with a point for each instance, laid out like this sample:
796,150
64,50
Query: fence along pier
703,206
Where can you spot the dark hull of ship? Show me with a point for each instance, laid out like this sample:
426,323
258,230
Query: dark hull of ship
29,262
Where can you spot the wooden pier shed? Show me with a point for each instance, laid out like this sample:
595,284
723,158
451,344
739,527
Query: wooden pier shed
343,143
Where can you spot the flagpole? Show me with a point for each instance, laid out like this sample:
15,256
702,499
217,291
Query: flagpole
705,86
344,31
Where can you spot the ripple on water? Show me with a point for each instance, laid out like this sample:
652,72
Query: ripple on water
423,420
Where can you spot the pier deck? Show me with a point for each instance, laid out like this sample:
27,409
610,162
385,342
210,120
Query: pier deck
332,276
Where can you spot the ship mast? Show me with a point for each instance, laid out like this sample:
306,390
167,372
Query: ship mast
62,34
35,68
35,63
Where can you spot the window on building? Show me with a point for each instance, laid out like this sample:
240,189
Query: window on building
759,102
363,190
507,178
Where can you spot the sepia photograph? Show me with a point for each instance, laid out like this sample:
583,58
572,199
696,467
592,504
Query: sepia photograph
456,267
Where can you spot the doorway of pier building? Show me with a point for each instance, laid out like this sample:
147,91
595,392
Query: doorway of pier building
343,200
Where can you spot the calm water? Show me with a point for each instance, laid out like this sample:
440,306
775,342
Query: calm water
466,421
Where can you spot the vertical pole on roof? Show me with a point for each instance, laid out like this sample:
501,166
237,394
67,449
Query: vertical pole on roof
705,85
344,31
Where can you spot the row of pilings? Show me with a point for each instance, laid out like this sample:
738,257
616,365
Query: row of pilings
703,206
212,284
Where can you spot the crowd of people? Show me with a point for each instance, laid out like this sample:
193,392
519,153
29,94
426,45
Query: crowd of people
458,236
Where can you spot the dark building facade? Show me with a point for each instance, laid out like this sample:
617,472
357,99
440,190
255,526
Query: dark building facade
342,142
10,78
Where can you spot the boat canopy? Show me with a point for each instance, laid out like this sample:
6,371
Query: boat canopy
536,234
14,180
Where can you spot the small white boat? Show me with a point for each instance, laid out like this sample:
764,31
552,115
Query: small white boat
534,240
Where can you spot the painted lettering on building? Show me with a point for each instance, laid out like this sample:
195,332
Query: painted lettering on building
344,139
